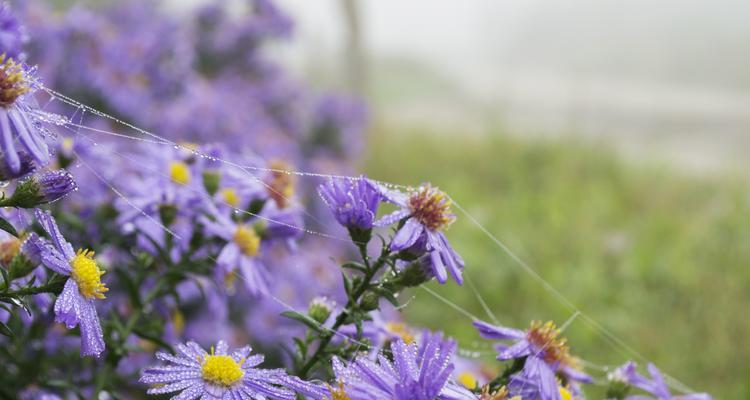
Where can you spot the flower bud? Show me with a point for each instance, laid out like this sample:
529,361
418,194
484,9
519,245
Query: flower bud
42,188
414,274
370,301
320,309
211,181
167,213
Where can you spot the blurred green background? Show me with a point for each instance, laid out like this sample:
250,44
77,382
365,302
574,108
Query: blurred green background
656,256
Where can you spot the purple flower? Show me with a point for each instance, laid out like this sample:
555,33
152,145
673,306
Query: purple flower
546,354
417,372
354,202
15,121
75,305
427,213
241,252
12,33
656,386
220,375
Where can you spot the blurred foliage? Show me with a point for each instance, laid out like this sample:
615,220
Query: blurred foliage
658,257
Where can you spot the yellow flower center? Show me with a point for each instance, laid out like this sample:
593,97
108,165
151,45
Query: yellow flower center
178,322
431,207
13,82
565,394
546,337
468,380
401,330
280,186
230,197
67,144
87,275
338,393
247,240
9,249
222,370
179,172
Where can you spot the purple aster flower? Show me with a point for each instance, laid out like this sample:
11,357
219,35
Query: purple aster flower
354,202
417,372
546,354
221,375
656,386
427,213
12,33
240,254
75,305
15,121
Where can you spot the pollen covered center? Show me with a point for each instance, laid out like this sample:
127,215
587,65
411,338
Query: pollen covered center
247,240
401,330
431,208
179,172
280,185
230,196
546,337
13,82
221,370
87,275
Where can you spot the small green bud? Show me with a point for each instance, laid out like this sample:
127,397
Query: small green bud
360,235
211,181
369,302
167,213
320,309
411,276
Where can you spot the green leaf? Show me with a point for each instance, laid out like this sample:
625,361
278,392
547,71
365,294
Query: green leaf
309,322
7,227
355,266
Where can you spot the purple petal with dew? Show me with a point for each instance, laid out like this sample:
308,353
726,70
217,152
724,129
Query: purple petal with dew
191,393
660,388
40,153
183,361
407,235
180,384
519,349
392,218
489,331
92,338
66,306
50,226
53,260
577,375
241,353
8,147
191,350
535,368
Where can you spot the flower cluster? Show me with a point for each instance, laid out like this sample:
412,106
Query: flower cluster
204,233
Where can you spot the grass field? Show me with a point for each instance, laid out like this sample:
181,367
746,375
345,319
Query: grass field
658,257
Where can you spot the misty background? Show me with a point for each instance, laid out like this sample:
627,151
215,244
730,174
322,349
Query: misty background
666,80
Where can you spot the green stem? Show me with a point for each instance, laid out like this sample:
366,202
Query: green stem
53,286
328,334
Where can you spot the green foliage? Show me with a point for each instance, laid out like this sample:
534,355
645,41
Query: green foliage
658,257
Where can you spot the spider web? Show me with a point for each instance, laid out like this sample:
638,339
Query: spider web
75,124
